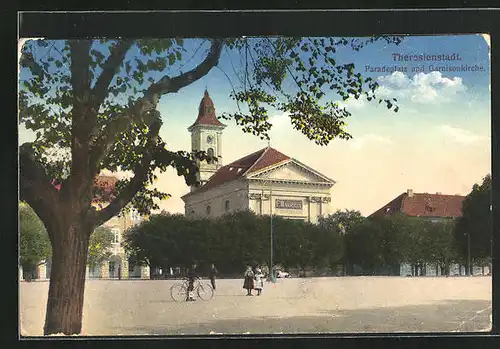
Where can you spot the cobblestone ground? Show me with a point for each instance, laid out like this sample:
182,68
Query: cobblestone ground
326,305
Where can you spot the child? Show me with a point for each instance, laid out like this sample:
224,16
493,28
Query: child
248,283
259,281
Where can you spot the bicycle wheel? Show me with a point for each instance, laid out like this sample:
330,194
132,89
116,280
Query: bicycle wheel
178,292
205,291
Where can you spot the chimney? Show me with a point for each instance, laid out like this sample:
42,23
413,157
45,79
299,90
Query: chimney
409,192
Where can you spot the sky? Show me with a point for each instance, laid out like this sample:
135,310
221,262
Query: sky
439,141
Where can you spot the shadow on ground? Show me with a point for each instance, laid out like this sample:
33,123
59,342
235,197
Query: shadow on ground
448,316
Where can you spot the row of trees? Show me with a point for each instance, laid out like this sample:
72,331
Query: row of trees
377,245
34,242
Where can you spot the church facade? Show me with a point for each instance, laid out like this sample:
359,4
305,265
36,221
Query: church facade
265,182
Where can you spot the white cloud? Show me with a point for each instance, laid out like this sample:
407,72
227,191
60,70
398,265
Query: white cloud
422,88
359,142
353,103
279,119
460,135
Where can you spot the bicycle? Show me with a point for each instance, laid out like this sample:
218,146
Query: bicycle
178,291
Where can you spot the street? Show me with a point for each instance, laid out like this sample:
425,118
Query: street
309,305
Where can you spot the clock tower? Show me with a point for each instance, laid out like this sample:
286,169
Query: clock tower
206,135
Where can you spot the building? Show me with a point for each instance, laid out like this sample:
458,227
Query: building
435,207
117,266
266,181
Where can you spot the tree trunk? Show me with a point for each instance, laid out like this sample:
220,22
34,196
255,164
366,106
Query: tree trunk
67,281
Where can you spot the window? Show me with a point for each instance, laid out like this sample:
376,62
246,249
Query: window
209,209
226,205
116,235
210,153
134,215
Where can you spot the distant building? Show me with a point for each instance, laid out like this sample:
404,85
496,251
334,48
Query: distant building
265,181
118,265
435,207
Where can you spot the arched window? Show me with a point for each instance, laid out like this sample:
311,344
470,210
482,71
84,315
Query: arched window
210,153
209,209
192,212
227,205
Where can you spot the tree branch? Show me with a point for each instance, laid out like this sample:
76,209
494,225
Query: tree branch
138,112
80,77
141,171
80,83
36,188
168,85
109,69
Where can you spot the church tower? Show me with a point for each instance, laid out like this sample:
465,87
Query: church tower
206,135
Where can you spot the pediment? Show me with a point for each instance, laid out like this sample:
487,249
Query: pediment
291,171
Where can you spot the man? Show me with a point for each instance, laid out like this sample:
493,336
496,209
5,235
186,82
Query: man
213,272
191,278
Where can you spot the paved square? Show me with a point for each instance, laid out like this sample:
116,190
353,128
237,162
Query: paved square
327,305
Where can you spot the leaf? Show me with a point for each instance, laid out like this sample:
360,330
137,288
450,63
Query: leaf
171,59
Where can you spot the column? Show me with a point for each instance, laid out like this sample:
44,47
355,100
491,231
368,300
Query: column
219,145
21,277
87,272
145,272
309,200
42,271
105,270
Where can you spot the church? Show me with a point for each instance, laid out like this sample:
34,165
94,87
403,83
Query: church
265,181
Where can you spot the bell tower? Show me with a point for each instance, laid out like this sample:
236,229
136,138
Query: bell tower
206,135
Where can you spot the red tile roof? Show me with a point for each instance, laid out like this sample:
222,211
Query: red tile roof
206,113
424,205
103,188
251,163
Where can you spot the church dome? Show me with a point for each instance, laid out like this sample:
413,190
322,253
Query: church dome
206,113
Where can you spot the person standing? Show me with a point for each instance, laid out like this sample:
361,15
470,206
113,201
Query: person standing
248,284
191,278
259,281
213,273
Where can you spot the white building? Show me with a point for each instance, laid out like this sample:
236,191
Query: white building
266,181
118,265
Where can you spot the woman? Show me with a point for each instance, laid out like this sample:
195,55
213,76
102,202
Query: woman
249,278
259,281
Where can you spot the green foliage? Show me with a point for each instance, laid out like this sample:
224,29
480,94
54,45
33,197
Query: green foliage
476,221
34,243
311,65
99,246
243,238
231,242
299,76
440,241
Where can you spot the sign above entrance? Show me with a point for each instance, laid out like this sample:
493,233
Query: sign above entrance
289,204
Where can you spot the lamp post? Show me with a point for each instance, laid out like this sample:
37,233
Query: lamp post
469,272
271,268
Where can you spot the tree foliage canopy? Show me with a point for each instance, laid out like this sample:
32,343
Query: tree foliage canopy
34,243
242,238
476,220
98,99
100,245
